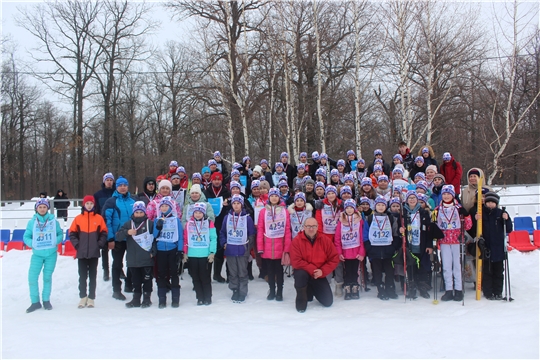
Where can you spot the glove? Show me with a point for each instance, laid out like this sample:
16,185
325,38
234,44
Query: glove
159,224
185,258
285,259
463,212
211,258
341,258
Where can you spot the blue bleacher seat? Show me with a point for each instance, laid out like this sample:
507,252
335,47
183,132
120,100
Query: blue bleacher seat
18,235
538,223
524,223
4,235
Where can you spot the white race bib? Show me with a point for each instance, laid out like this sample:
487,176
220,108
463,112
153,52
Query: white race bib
448,218
275,226
298,218
237,230
198,233
44,235
169,232
350,235
380,231
144,240
329,219
415,229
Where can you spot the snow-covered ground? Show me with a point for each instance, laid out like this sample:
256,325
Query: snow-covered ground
365,328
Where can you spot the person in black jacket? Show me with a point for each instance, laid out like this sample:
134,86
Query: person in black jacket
140,252
419,166
381,246
149,190
107,190
493,221
377,154
60,205
419,232
289,169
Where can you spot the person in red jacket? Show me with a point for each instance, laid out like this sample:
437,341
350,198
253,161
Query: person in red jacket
313,256
452,172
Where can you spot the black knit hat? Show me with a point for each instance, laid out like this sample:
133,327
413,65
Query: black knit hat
493,197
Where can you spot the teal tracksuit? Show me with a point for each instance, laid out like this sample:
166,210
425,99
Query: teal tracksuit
43,234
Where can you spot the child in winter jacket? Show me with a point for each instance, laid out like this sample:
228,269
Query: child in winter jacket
140,253
200,243
349,242
237,236
170,244
448,216
298,213
383,242
493,232
88,234
43,234
327,217
273,242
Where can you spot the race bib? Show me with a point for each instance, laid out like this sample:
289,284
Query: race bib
44,236
350,235
448,218
257,213
144,240
380,231
329,219
275,227
217,205
198,233
169,232
237,230
415,230
298,218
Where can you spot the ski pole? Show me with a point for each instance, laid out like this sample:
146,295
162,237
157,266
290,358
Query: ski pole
505,259
462,258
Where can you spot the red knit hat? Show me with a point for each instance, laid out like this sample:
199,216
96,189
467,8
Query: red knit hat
217,176
88,198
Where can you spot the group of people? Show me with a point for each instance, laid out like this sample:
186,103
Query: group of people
326,219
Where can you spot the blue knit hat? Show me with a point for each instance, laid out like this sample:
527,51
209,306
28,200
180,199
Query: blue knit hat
377,167
446,156
380,200
329,189
349,203
246,158
181,169
422,185
121,181
235,172
348,177
397,170
422,197
419,158
282,177
282,184
377,152
361,161
139,206
212,162
399,157
42,201
366,181
237,166
448,189
378,162
235,184
255,184
411,193
315,155
301,166
350,152
284,154
205,170
334,172
420,175
303,154
197,176
345,190
324,156
365,200
237,198
108,176
279,164
425,150
167,200
263,161
382,178
320,184
217,153
395,200
341,162
273,191
300,195
173,163
321,172
199,207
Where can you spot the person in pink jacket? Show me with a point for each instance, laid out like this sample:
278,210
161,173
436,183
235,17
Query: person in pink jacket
349,242
152,209
274,242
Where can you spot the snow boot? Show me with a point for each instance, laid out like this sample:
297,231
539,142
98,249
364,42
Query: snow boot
118,295
339,290
83,301
272,293
301,299
458,295
162,297
90,303
136,302
448,295
355,292
47,305
391,292
241,299
411,292
234,297
146,300
33,307
175,293
381,293
347,290
279,293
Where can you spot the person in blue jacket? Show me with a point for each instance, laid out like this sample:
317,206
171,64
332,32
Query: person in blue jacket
170,244
117,211
237,237
43,234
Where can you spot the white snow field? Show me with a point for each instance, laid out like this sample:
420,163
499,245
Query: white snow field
365,328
